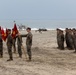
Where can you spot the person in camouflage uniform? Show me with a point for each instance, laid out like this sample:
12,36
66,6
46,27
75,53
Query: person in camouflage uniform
1,46
60,39
9,45
74,39
58,32
19,43
14,41
29,42
70,40
66,37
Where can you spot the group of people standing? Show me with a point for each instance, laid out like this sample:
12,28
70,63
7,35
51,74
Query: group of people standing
11,42
69,37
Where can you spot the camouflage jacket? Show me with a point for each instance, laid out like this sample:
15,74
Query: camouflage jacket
19,40
1,41
9,40
29,38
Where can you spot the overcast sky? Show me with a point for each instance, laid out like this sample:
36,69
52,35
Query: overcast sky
37,9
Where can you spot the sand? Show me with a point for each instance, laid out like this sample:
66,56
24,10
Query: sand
46,58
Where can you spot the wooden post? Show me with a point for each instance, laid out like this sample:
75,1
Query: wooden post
13,50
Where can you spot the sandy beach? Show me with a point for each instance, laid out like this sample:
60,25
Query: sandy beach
46,58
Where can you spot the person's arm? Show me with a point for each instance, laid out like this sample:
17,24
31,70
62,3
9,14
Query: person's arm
23,35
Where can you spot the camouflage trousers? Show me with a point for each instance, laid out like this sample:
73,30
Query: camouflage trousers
19,50
1,50
10,51
61,44
75,45
29,51
14,46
